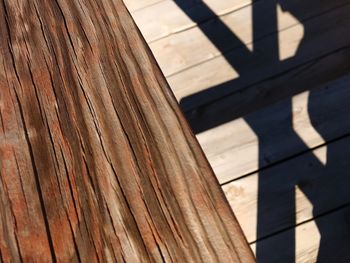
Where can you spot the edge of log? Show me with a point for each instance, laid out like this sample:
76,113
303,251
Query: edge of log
97,161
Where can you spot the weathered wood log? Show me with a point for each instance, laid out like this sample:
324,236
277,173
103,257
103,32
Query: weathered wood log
97,161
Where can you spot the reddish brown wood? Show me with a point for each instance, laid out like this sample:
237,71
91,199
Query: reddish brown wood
97,161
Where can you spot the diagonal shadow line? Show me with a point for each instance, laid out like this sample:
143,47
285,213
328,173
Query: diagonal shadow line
193,105
300,178
222,29
224,39
248,57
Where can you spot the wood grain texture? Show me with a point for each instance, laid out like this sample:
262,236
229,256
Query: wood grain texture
97,162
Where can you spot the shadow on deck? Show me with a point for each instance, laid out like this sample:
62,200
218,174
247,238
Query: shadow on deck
334,175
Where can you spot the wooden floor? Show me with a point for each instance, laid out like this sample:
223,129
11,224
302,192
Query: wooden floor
266,88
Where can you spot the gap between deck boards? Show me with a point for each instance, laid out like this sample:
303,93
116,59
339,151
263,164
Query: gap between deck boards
329,131
192,47
232,148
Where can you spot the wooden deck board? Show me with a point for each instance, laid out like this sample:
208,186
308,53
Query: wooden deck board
245,130
329,28
134,5
97,162
292,192
252,98
166,17
192,47
232,148
334,243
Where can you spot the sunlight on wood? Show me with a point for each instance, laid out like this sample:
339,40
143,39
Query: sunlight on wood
303,127
231,148
243,198
277,188
307,239
193,80
134,5
224,7
253,248
306,235
303,206
288,42
243,30
307,243
175,54
162,19
99,164
192,63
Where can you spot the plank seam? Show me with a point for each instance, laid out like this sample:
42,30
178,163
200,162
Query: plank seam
324,214
230,50
284,160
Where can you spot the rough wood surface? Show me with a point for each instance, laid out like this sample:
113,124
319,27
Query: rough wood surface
97,162
135,5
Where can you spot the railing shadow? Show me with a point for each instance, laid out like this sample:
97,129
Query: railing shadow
265,22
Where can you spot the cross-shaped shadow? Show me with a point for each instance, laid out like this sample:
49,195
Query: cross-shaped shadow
265,23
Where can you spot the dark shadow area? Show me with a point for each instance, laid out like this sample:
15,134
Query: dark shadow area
331,179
